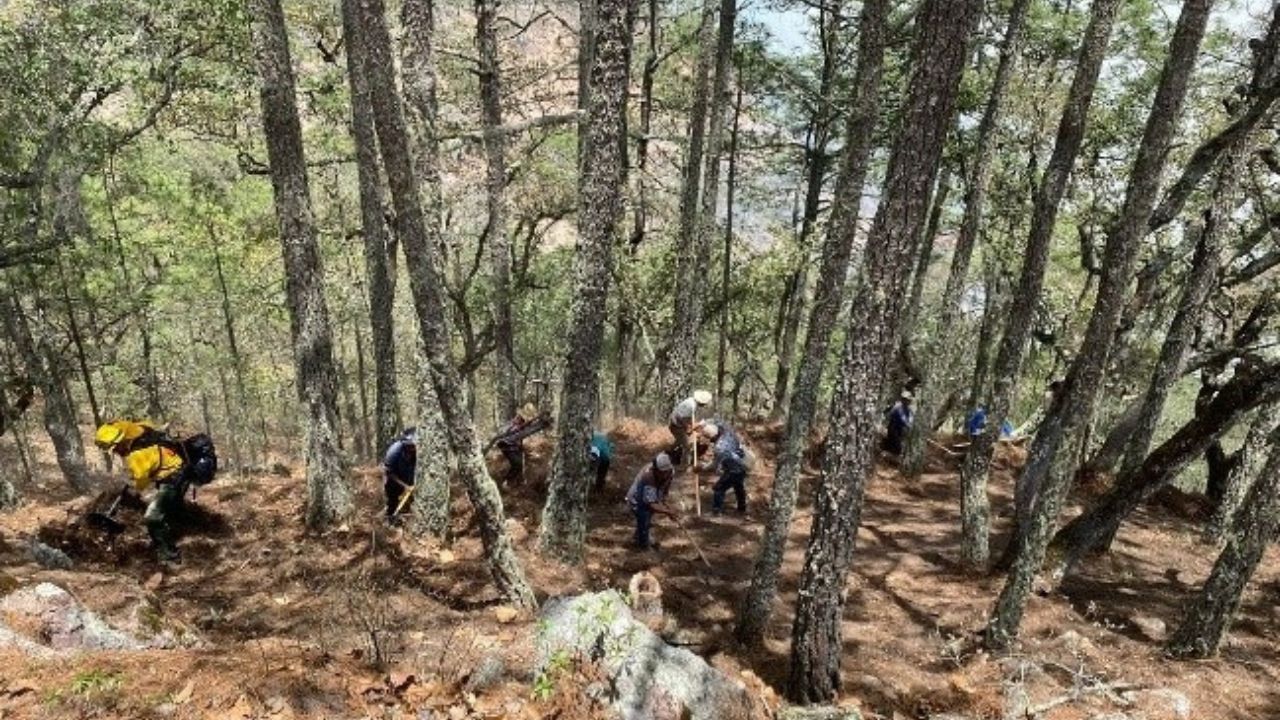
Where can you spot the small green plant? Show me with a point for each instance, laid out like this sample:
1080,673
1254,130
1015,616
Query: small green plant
96,682
544,685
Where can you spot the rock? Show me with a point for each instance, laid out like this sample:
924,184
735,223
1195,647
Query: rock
819,712
646,594
1076,644
505,613
489,672
49,558
645,674
1151,628
53,617
1159,704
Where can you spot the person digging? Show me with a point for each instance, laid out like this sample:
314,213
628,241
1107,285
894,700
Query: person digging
647,497
730,460
680,423
155,464
510,440
398,467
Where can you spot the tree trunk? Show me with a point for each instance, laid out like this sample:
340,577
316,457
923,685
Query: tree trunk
1017,329
1243,473
942,349
374,234
431,497
423,261
938,54
623,371
564,521
329,495
495,232
1196,287
59,407
151,384
236,416
1049,482
993,306
1086,532
693,254
924,258
864,111
1210,615
722,356
816,162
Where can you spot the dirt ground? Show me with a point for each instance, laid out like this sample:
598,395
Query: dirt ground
364,621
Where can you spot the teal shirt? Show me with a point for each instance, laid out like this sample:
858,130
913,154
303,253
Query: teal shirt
601,447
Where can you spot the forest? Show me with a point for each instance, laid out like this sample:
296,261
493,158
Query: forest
639,359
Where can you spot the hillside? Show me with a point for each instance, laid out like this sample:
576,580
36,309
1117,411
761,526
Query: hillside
270,622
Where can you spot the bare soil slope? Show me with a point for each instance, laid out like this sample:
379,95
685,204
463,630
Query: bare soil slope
369,622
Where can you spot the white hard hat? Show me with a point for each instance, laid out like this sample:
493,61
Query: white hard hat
710,429
702,397
906,395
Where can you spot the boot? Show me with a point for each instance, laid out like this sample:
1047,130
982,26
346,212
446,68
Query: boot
162,544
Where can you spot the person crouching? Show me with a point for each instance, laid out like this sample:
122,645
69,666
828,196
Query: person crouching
647,497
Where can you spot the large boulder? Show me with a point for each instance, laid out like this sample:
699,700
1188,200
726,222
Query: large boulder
645,679
51,617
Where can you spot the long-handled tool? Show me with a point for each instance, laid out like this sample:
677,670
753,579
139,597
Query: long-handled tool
404,499
694,543
106,521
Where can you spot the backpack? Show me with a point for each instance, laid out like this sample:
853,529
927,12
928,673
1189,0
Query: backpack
199,457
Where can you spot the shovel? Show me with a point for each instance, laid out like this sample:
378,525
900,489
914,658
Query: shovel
106,521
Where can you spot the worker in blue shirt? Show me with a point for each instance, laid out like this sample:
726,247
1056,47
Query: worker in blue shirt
899,423
398,467
647,497
730,460
601,453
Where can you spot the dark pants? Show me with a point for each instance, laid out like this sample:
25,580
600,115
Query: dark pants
163,508
644,521
735,480
679,441
515,457
394,491
602,472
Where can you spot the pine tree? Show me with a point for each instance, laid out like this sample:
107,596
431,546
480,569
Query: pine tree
423,262
564,521
864,104
1048,473
329,497
943,28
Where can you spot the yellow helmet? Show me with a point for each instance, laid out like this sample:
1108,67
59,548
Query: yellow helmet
528,412
108,436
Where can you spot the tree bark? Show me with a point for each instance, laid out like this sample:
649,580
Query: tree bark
942,349
1243,473
375,243
693,252
623,370
938,54
423,261
1211,613
1196,287
1017,329
1249,389
495,232
329,496
842,230
924,258
431,505
816,162
722,356
1048,482
564,521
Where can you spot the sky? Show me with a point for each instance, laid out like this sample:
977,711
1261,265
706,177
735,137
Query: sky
789,28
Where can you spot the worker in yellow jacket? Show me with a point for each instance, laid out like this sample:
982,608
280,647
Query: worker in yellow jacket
149,462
